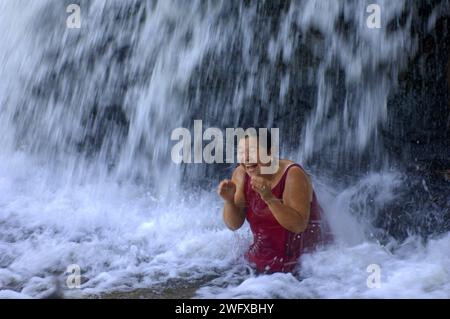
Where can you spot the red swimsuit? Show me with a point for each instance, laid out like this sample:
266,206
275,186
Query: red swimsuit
275,249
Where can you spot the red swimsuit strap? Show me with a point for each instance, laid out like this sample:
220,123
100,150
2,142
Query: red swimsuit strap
278,191
283,178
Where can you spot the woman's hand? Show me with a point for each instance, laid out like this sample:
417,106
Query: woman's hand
263,187
227,190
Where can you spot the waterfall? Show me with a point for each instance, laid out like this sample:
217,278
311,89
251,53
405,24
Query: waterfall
115,89
86,117
367,62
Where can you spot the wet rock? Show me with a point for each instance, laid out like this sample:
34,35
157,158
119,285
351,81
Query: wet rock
421,205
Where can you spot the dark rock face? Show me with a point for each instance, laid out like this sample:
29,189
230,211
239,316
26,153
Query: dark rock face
417,139
419,110
421,206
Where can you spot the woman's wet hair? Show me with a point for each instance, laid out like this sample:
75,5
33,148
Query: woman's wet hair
267,136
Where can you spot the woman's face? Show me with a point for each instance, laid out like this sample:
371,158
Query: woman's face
249,155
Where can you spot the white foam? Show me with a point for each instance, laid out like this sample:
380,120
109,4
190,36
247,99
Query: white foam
123,238
120,236
341,272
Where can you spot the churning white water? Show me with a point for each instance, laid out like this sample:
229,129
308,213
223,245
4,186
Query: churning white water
78,188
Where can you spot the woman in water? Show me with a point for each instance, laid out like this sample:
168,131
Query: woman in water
281,208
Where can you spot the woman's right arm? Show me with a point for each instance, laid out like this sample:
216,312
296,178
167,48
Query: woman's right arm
232,192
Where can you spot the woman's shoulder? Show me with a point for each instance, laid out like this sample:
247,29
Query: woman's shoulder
239,170
239,173
288,165
295,170
285,168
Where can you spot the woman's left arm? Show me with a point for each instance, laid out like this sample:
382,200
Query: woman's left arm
293,212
